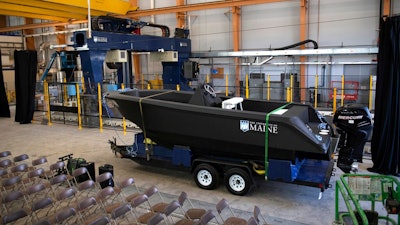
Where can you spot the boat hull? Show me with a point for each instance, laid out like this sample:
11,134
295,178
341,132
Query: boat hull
168,118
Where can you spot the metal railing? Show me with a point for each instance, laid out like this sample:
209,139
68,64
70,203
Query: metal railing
87,110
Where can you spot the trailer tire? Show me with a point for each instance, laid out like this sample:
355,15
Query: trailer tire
206,176
237,181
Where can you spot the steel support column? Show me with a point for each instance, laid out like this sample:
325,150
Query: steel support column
303,36
61,36
3,21
29,41
236,33
137,68
386,7
180,16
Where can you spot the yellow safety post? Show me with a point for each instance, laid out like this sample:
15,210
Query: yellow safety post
288,94
78,100
226,85
342,94
371,85
178,88
83,85
142,78
47,102
207,79
247,86
123,118
268,87
124,125
334,100
316,92
291,88
64,85
100,107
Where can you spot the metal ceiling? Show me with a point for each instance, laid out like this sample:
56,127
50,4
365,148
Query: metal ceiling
64,10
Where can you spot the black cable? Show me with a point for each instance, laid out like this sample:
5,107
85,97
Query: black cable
298,44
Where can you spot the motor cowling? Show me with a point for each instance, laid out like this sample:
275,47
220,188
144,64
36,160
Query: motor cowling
354,124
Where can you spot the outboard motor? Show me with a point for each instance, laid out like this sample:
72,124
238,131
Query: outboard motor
354,123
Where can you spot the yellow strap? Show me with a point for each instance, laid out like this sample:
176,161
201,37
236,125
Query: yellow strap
141,114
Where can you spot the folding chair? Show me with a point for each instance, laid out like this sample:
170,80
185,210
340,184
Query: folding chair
58,183
171,207
5,154
66,216
64,197
35,192
4,174
142,212
33,177
88,186
155,219
206,218
16,216
19,170
23,158
6,163
105,178
40,162
102,220
260,219
11,184
189,211
40,207
89,210
129,190
252,221
55,169
109,199
44,221
13,201
228,218
156,204
123,214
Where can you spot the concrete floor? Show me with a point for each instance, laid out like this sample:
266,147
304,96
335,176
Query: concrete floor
280,203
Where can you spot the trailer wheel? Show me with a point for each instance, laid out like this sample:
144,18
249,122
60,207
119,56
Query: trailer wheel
237,181
206,176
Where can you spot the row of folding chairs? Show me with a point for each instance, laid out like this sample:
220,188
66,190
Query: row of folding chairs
66,188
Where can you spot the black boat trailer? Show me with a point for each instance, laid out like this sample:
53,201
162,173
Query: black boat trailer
239,175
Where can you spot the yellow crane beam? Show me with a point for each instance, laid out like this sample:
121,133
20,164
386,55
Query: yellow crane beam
40,11
110,6
29,15
39,25
53,6
198,6
64,10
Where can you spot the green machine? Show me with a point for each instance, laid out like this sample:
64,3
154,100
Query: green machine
356,189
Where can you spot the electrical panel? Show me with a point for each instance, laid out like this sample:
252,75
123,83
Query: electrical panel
168,56
118,56
190,69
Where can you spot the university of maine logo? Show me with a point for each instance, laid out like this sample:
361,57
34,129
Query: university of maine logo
244,125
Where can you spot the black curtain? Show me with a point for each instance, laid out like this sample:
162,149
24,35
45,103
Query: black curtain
4,108
385,145
25,83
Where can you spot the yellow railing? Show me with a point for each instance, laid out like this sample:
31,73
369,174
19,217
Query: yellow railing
319,94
